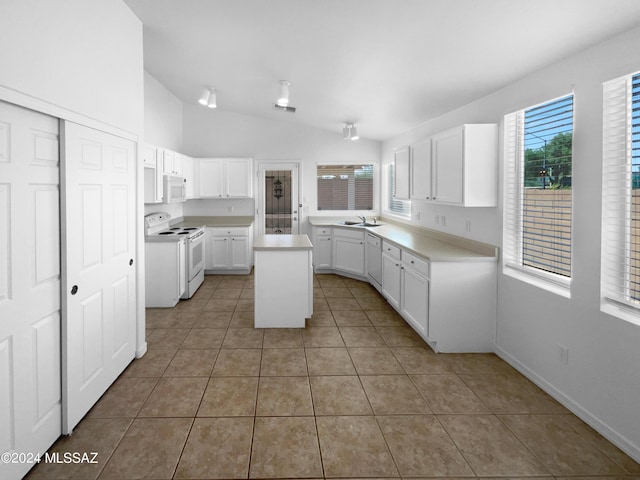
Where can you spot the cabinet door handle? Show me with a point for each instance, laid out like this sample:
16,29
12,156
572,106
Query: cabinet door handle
412,261
360,243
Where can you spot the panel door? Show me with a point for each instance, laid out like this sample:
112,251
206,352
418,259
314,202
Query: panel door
448,166
219,253
322,252
99,333
211,177
401,159
239,252
239,177
30,392
348,255
391,280
415,300
421,170
278,204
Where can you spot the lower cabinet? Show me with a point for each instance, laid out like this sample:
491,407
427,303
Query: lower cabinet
322,248
228,250
348,250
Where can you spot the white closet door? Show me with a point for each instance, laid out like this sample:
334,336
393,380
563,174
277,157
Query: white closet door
99,331
30,405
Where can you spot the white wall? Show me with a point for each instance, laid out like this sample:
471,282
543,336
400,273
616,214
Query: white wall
85,57
215,133
602,379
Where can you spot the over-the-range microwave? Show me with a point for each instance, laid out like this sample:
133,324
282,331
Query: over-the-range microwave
175,189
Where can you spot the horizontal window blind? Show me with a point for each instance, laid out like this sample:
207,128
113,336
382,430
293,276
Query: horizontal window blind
621,191
538,198
345,187
400,207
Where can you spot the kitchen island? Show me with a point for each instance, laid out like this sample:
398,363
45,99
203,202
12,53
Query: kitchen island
283,281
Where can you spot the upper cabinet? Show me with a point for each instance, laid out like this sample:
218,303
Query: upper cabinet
224,177
457,167
171,162
153,188
401,159
189,176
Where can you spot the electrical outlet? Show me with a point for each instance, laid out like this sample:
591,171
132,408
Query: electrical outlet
468,225
563,354
230,208
437,219
417,215
444,220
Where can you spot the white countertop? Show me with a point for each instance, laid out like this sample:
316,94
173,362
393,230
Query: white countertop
216,221
282,242
422,243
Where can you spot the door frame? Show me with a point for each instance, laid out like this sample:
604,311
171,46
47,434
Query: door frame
261,167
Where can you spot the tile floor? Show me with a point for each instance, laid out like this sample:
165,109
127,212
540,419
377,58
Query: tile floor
357,394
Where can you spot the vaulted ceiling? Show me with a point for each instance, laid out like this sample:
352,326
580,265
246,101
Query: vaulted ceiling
387,65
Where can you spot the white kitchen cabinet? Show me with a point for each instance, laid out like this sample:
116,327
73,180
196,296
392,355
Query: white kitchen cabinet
224,177
465,166
322,248
414,306
171,162
189,176
153,186
229,250
421,170
401,162
166,279
348,250
391,280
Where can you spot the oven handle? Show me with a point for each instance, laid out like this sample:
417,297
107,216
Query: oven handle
199,234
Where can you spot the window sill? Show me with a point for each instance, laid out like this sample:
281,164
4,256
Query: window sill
547,281
621,310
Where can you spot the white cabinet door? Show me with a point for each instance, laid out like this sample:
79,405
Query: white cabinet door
189,176
322,252
167,162
348,255
415,299
177,163
239,252
219,253
391,280
149,156
448,166
211,179
401,161
421,170
239,177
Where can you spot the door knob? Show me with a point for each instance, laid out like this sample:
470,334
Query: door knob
131,262
74,289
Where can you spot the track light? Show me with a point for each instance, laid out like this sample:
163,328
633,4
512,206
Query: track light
208,98
350,132
283,98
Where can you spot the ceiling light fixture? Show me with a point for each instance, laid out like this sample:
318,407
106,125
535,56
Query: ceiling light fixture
350,132
208,98
283,98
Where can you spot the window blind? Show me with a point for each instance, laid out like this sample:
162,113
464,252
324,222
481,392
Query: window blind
345,187
538,199
621,192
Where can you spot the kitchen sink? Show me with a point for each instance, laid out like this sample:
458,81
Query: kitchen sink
358,224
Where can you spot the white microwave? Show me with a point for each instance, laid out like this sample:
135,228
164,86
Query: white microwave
175,189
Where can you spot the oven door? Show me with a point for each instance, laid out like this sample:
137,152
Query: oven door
195,255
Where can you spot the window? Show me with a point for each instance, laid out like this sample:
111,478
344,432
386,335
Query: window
621,197
345,187
538,197
399,207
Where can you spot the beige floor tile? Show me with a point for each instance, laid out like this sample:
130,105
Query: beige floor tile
354,447
243,338
448,394
323,318
242,319
229,397
280,362
421,447
318,292
337,292
329,361
477,363
226,293
151,448
284,396
373,303
401,337
351,318
331,281
489,447
353,283
191,306
175,397
338,303
393,394
339,395
285,448
221,305
213,320
232,281
92,435
247,293
559,447
192,363
420,360
361,337
208,338
385,318
363,290
374,361
245,305
511,393
604,445
124,398
168,318
167,337
238,362
322,337
152,364
320,304
217,448
282,338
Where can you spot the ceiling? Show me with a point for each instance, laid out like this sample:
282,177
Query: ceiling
387,65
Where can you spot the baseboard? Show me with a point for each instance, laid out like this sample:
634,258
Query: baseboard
602,428
141,350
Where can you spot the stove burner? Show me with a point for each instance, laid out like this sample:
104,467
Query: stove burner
191,228
175,228
183,233
167,233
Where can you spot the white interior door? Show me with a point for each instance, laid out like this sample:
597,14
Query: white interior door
99,332
278,201
30,396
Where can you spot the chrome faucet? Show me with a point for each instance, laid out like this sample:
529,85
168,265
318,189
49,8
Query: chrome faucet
363,218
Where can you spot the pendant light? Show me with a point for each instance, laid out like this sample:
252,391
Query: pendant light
283,98
350,132
208,98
